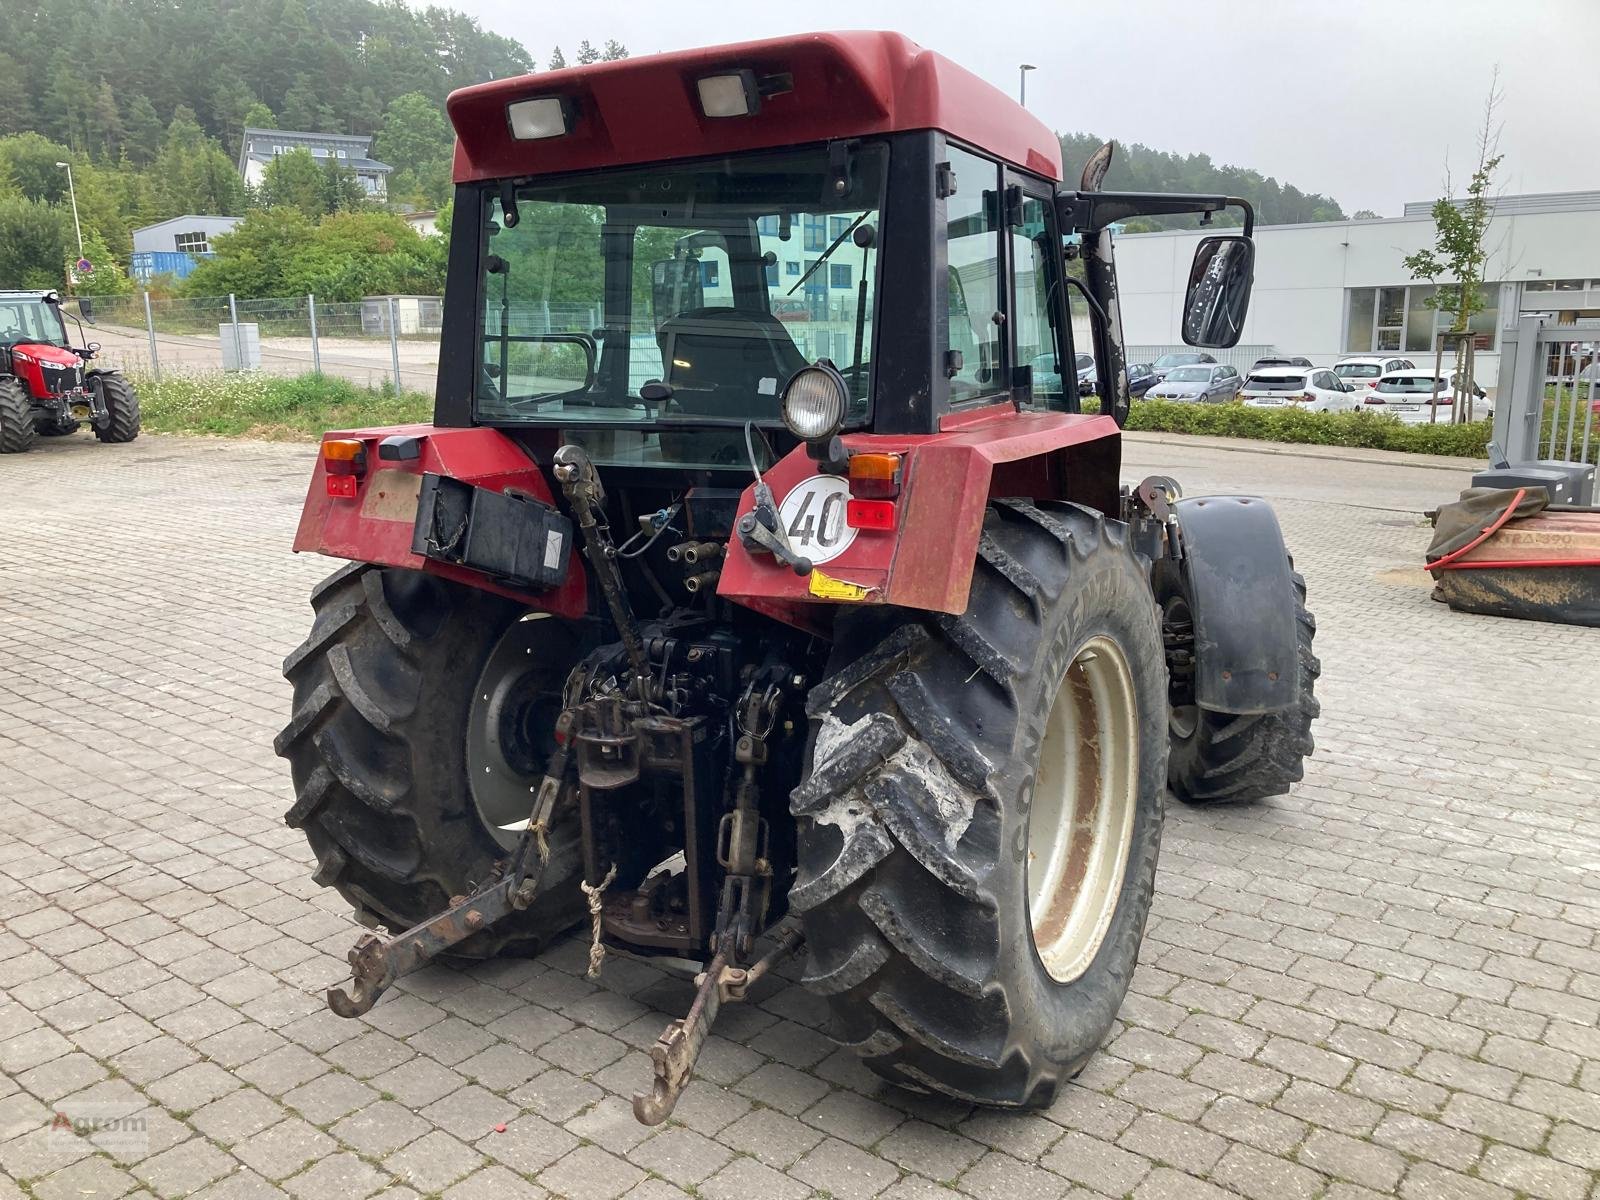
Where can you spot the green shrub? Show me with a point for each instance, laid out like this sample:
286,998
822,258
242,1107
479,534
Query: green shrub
1360,429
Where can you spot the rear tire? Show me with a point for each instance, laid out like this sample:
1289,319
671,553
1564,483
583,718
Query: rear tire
16,417
1224,758
936,911
378,747
122,409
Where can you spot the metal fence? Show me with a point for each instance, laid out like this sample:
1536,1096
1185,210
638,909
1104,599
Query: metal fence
378,340
1554,407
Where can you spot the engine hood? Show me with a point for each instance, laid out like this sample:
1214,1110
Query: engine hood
48,355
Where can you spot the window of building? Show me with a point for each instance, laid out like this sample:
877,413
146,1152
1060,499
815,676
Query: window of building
1399,320
191,243
1553,285
972,239
768,226
836,227
816,232
839,275
791,268
772,275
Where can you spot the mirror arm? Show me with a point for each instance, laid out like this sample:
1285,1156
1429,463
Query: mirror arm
1089,212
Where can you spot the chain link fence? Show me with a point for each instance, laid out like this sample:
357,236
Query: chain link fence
376,341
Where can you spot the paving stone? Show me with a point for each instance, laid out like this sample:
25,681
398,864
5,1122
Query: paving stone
853,1118
1347,1158
95,1177
329,1097
236,1116
184,1169
589,1173
341,1175
494,1183
680,1155
839,1169
999,1176
1259,1176
556,1094
433,1162
746,1179
284,1149
530,1143
1093,1163
1175,1143
380,1128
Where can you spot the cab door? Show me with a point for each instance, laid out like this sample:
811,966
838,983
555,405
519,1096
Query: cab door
1039,329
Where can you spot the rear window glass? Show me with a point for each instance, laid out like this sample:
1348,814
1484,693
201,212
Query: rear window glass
1409,383
1358,370
1276,379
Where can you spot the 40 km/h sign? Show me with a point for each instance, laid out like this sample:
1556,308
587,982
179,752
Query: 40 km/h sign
812,515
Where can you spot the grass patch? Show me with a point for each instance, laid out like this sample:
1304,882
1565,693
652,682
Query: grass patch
271,407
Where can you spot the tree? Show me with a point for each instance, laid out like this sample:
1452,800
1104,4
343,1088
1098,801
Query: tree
194,174
557,60
142,131
294,180
305,109
259,116
1455,263
587,54
15,101
341,190
1363,214
417,141
35,239
613,51
106,123
29,160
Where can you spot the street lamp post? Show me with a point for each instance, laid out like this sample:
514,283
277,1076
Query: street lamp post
1022,88
73,191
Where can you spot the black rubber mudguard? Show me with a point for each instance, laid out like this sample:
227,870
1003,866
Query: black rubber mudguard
1242,598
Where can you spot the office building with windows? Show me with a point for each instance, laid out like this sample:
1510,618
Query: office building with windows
1333,288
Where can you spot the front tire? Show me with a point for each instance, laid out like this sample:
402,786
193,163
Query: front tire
16,417
959,946
1225,758
380,747
122,409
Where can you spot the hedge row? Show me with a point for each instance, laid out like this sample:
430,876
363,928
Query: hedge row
1361,429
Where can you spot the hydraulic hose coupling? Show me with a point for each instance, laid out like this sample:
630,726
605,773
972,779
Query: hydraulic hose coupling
695,553
704,582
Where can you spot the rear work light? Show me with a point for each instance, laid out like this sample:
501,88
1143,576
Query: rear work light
544,117
735,94
874,476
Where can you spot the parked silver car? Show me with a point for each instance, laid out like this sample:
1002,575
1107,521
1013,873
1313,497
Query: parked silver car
1200,384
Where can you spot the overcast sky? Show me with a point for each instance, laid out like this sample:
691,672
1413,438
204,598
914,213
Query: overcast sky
1359,99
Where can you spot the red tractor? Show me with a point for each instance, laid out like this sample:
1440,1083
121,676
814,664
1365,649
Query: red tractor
749,594
46,385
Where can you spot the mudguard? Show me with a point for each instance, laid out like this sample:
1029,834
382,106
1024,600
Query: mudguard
926,561
378,523
1241,595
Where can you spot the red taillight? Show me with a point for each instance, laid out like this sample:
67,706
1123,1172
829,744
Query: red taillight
1308,397
1374,399
341,487
1372,383
870,514
345,456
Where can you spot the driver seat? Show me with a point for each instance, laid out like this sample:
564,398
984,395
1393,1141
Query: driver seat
724,362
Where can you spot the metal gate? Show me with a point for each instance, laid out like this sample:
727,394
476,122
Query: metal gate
1551,376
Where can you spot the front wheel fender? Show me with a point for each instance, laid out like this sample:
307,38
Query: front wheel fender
1240,586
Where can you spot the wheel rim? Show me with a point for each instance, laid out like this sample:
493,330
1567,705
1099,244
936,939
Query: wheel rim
1080,824
1177,631
511,730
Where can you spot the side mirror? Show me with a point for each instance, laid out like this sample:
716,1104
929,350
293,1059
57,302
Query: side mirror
1219,291
93,348
86,308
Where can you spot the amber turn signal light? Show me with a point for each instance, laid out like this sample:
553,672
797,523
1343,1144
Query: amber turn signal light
874,476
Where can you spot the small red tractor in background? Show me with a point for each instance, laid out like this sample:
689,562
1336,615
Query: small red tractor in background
749,592
46,385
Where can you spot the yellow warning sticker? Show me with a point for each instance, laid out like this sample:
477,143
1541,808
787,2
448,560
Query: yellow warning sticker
826,587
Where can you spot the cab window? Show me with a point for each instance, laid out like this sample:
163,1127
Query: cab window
1033,292
973,243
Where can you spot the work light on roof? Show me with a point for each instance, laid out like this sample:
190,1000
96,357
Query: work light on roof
544,117
735,94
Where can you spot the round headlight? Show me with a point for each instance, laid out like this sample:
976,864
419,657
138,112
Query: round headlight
814,401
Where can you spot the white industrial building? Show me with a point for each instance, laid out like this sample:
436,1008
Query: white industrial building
1340,287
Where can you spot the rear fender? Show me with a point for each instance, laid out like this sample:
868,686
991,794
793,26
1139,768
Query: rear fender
1242,598
376,525
947,480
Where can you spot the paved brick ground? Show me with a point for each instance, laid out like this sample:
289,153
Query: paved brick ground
1387,983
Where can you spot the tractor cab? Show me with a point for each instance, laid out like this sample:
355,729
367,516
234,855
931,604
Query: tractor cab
761,574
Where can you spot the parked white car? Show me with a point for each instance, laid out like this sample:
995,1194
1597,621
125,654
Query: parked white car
1412,396
1364,370
1316,390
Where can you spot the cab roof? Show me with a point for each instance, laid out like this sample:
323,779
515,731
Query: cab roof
647,109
